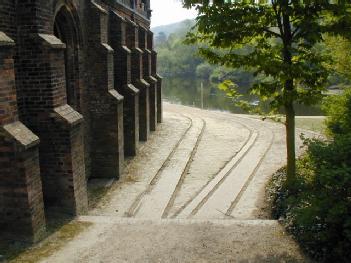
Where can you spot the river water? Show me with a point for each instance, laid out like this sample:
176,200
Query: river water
188,92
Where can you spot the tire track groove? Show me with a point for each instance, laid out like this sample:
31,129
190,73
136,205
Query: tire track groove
186,170
214,176
214,189
248,181
219,200
133,208
154,201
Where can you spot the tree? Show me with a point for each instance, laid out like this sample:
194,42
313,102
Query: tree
281,40
204,71
340,49
160,39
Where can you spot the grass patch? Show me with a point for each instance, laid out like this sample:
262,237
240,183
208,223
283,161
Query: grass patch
315,124
312,124
98,195
95,195
60,231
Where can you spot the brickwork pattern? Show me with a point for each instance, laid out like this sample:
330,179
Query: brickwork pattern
159,85
105,103
132,41
145,45
21,198
78,91
122,74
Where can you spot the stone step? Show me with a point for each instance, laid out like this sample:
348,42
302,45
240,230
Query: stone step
175,221
113,239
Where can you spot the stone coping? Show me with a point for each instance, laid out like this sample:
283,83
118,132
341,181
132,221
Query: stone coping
118,16
51,41
126,49
99,7
116,95
131,89
138,50
157,76
107,48
151,79
6,41
143,82
147,51
132,23
22,135
69,115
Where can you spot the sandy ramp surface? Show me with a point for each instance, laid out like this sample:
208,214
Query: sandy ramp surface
184,241
194,193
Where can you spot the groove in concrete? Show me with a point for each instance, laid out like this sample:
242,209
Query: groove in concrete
200,199
133,208
221,200
155,201
185,172
175,214
248,181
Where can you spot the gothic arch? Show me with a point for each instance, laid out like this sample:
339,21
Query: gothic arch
66,27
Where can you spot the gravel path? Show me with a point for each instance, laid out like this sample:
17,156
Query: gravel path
194,193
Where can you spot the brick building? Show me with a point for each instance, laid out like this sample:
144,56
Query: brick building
78,91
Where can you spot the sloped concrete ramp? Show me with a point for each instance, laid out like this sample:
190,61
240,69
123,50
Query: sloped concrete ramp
183,241
194,193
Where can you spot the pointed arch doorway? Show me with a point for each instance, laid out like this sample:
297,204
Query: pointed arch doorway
66,28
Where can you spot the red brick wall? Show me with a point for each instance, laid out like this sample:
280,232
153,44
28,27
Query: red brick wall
122,78
21,199
105,104
33,90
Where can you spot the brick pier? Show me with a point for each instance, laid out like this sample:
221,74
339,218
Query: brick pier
78,90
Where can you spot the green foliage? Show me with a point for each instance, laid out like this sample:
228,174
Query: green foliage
338,109
174,57
177,59
280,40
161,39
177,27
242,77
340,50
276,40
317,208
231,90
204,71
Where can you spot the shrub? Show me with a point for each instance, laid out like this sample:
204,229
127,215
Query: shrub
338,109
318,209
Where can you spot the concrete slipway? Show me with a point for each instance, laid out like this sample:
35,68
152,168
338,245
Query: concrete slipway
194,193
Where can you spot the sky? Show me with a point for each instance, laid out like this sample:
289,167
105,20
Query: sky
169,11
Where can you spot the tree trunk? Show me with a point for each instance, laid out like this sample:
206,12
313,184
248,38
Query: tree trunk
289,97
290,142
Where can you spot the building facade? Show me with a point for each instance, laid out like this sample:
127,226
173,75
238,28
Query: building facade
78,91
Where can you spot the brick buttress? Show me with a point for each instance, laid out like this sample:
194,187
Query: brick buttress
144,46
123,82
21,200
138,81
156,76
42,94
105,103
